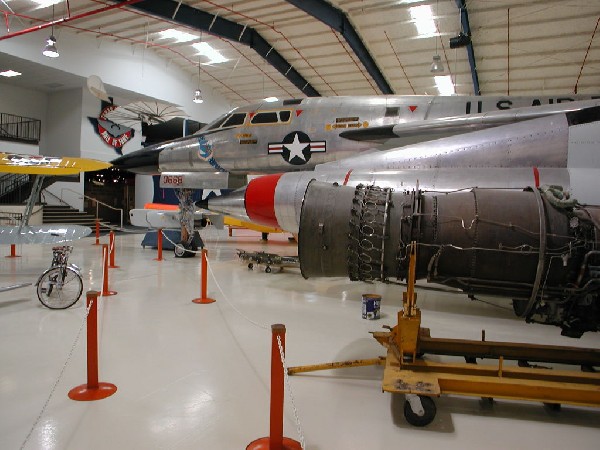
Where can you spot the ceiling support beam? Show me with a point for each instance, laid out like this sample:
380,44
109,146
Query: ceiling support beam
175,11
466,29
338,20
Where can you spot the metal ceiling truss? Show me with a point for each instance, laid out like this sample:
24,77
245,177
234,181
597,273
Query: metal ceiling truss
466,29
338,20
177,12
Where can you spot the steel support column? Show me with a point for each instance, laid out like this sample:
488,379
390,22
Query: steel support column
175,11
338,20
466,29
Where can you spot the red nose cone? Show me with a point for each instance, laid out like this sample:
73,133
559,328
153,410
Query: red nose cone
260,200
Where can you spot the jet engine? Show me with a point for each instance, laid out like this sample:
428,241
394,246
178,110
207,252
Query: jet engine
535,246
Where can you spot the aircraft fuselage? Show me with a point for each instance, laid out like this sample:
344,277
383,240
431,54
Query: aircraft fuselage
298,134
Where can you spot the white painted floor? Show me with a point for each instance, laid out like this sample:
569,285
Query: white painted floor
195,376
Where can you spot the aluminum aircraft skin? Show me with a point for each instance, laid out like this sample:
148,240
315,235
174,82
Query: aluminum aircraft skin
299,134
42,166
509,211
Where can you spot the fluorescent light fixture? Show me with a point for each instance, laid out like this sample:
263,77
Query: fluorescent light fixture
213,55
46,3
50,50
444,85
423,18
271,99
10,73
179,36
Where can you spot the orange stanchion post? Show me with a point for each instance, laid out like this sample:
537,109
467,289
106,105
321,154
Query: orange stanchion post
105,291
92,390
111,250
204,299
276,440
97,232
159,244
13,252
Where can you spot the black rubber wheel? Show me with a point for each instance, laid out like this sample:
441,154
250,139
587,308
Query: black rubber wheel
182,250
268,269
553,407
250,266
59,288
428,416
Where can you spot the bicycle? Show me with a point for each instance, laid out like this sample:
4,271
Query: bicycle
60,286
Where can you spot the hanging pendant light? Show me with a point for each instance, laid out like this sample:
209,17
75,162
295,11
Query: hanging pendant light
50,49
437,66
198,96
198,93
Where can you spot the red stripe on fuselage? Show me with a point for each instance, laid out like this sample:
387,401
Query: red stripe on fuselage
260,200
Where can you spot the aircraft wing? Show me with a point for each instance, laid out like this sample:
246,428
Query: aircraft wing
449,126
42,234
48,165
12,287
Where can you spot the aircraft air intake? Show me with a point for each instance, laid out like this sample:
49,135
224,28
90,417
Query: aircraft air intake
531,246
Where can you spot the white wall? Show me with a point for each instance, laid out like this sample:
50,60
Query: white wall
63,124
136,71
25,103
123,65
144,190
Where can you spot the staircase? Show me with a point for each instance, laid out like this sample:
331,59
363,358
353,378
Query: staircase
68,215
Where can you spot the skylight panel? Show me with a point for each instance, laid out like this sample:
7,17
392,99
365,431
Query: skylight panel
46,3
179,36
444,85
423,19
213,55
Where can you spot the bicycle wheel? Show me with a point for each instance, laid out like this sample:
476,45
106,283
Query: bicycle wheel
59,288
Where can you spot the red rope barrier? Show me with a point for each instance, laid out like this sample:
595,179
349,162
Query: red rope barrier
204,298
92,390
105,291
13,252
112,250
276,440
159,244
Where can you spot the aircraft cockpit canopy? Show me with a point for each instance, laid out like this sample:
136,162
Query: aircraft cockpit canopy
228,121
237,119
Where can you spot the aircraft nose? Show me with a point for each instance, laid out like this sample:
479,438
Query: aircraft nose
144,161
254,202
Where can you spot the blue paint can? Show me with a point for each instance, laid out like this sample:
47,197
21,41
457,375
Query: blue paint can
370,306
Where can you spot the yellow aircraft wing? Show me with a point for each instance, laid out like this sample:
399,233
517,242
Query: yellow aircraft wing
48,165
233,222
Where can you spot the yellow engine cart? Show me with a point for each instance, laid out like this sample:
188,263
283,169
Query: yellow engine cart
407,372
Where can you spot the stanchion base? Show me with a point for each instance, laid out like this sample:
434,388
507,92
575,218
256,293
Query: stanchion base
113,267
12,256
203,301
107,293
264,444
157,259
84,394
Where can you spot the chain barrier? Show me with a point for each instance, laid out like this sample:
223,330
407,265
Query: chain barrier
62,371
289,387
264,327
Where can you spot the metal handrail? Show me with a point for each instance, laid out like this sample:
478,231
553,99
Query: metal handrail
45,192
83,196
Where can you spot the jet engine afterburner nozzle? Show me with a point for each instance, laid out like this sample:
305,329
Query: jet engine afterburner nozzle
507,243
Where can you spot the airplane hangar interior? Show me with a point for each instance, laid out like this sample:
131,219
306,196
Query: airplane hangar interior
299,224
